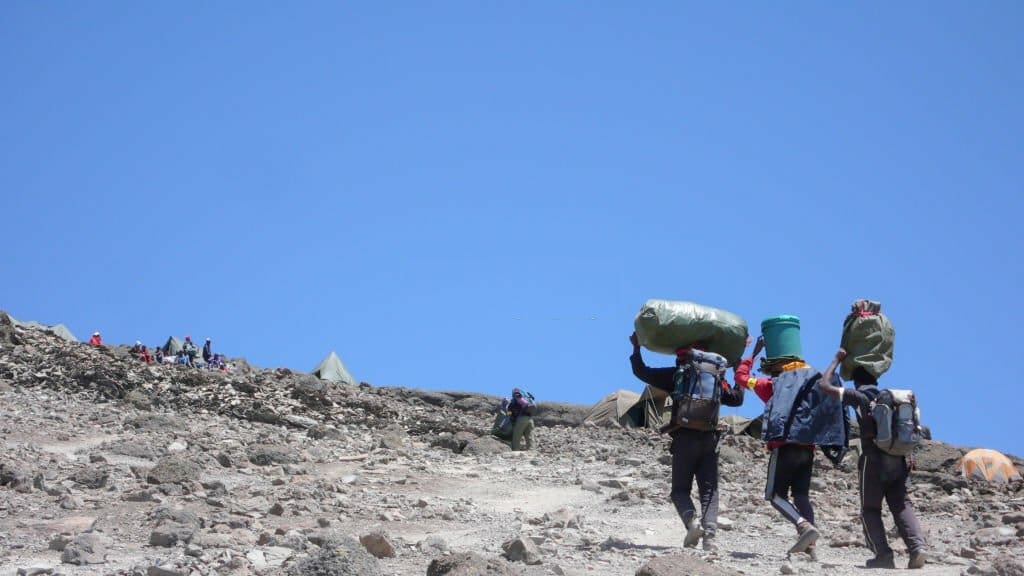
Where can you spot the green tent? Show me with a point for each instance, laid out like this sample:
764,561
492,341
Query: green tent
629,409
737,425
172,347
331,368
62,331
58,329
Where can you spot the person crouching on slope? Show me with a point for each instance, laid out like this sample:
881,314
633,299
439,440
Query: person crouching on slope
694,451
515,420
796,418
882,476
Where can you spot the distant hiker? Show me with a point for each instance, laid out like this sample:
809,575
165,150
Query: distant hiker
515,421
796,418
189,347
96,340
207,354
216,362
882,476
158,355
694,449
144,355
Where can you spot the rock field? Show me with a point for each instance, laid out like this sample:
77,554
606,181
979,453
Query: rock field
111,466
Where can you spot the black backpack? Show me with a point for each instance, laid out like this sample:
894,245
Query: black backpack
697,395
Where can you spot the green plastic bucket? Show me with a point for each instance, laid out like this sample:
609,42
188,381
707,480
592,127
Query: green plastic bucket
782,336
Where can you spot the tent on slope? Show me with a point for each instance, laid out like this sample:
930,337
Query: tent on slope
612,410
986,465
629,409
58,329
62,331
172,347
737,425
331,368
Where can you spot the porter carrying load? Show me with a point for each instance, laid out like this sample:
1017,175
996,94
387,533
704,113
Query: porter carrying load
868,338
666,325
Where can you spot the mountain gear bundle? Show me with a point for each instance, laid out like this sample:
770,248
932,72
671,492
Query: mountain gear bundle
664,326
868,338
897,422
698,392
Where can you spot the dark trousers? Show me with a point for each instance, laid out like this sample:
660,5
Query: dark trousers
789,471
695,455
883,476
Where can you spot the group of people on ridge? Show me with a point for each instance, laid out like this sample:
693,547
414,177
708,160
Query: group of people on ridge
788,431
188,355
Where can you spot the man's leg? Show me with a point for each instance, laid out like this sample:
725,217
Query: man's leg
803,469
685,458
871,495
522,426
522,434
903,512
707,487
776,490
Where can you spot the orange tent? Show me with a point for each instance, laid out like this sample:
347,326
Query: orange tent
986,465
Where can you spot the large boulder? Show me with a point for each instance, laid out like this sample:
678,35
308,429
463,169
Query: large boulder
343,557
679,565
931,456
174,470
470,564
87,548
485,445
266,455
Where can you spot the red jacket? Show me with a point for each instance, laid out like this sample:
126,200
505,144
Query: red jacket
96,341
763,388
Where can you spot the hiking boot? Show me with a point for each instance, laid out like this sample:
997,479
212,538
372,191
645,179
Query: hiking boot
693,535
812,551
807,535
917,559
693,531
882,561
709,544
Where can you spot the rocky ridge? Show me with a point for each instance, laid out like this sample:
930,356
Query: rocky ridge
115,467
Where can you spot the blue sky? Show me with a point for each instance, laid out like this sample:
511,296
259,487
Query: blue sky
481,195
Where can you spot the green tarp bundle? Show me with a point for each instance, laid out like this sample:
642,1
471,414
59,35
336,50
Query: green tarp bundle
666,325
868,338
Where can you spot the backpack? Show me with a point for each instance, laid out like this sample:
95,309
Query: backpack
697,395
531,404
897,422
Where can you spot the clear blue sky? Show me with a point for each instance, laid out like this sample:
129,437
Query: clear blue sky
481,195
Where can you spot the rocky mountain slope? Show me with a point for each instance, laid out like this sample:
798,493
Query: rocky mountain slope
111,466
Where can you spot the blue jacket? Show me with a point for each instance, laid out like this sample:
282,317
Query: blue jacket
800,413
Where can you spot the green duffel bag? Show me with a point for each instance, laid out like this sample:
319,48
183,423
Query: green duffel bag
667,325
868,338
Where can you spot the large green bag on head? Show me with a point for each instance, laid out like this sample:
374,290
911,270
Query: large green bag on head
667,325
868,338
